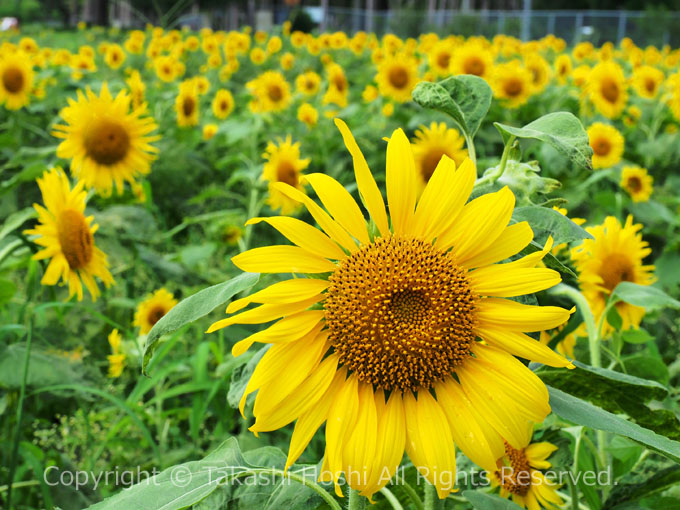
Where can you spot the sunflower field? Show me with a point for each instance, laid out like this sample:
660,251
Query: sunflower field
281,270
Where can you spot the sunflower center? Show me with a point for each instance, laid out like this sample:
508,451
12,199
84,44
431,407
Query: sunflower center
275,93
155,314
13,80
474,66
634,184
286,172
223,106
398,77
443,60
616,268
513,87
188,106
107,142
650,85
515,472
610,90
430,162
400,314
340,82
602,147
75,239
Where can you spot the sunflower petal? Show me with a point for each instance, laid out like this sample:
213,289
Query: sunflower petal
506,280
281,259
287,291
341,419
401,181
359,451
503,313
523,346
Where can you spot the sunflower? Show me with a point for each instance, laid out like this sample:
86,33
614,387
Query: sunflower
283,165
637,182
338,88
647,80
399,313
397,75
308,83
107,142
512,83
257,56
16,80
673,85
540,71
606,86
563,68
308,114
615,255
271,92
165,68
137,88
67,237
150,311
116,358
114,56
209,131
287,61
223,104
431,143
607,144
472,58
519,476
439,58
187,105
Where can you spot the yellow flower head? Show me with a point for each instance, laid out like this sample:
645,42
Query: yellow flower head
66,236
165,68
614,255
607,89
116,358
397,75
647,80
287,61
370,93
338,88
433,142
150,311
563,68
540,71
257,56
16,80
472,58
137,88
283,165
115,56
399,312
388,109
308,114
187,105
512,83
209,130
439,58
223,104
637,182
271,92
607,144
107,141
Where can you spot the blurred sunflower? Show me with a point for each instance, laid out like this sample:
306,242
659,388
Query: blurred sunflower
614,255
563,68
338,88
223,104
209,131
165,68
114,56
308,114
637,182
520,478
107,141
606,88
439,58
472,58
16,80
67,237
397,75
511,83
308,83
673,85
283,165
647,80
116,358
150,311
433,142
399,314
540,71
137,88
271,92
187,105
607,144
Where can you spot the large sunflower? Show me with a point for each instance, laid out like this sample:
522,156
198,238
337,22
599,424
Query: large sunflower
67,237
150,311
107,141
614,255
397,75
607,88
283,164
607,144
383,343
16,80
431,143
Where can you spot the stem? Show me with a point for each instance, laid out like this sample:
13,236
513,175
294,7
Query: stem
413,495
494,176
391,498
472,154
253,210
356,501
588,318
430,496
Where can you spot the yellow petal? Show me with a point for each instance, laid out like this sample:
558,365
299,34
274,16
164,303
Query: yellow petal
512,240
304,235
287,291
506,280
341,419
443,198
401,181
281,259
337,201
503,313
537,453
368,189
359,452
327,224
429,442
264,313
479,225
523,346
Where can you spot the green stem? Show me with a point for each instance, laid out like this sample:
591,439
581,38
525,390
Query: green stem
430,496
355,501
253,210
413,495
490,178
472,153
391,498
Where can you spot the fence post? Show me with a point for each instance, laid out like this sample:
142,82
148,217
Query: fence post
370,6
526,20
622,25
551,23
578,27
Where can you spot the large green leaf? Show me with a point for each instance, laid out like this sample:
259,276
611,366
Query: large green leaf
194,307
628,492
644,295
485,501
16,219
549,222
465,98
618,393
584,413
562,130
44,369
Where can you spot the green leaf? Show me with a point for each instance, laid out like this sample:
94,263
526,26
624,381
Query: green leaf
624,492
549,260
648,297
614,319
16,219
44,369
618,393
583,413
485,501
562,130
7,290
549,222
194,307
465,98
636,336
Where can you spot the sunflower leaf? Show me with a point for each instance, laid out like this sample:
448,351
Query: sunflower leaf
561,130
549,222
644,295
483,501
194,307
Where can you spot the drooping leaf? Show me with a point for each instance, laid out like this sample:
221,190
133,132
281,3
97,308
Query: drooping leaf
629,492
646,296
16,219
549,222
